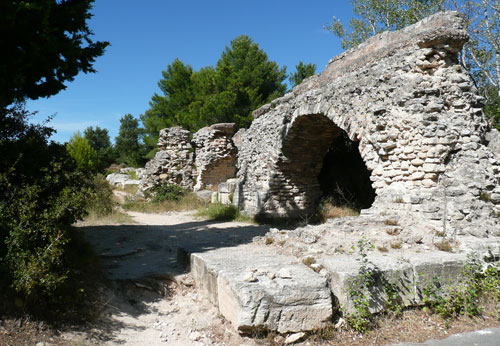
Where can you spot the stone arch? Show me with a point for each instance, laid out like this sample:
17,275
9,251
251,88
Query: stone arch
296,185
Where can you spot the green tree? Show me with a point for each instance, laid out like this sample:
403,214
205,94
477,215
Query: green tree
99,140
243,80
375,16
127,145
85,156
171,108
302,72
48,43
42,195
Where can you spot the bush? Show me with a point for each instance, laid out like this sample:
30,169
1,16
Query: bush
42,195
100,197
220,212
85,156
167,192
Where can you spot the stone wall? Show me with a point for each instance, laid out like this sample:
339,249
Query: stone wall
417,119
198,163
173,163
215,155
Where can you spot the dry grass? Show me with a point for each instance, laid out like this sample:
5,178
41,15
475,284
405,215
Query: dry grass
331,211
413,325
392,231
443,245
382,248
391,222
188,202
396,245
116,217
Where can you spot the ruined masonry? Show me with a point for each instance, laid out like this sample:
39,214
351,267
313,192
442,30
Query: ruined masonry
200,162
394,127
403,98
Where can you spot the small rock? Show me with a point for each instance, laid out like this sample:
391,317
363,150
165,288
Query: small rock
341,323
194,336
292,338
271,276
285,273
250,277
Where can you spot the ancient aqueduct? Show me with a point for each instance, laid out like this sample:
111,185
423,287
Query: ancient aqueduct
395,122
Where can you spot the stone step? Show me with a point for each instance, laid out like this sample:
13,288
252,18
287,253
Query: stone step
254,288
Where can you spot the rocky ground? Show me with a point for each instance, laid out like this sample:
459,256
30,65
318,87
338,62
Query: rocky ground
148,298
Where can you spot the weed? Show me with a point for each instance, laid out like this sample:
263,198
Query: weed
325,333
269,240
392,297
329,209
398,199
382,248
396,245
484,196
168,192
392,231
308,261
311,263
443,245
441,234
462,298
188,202
359,289
133,175
391,222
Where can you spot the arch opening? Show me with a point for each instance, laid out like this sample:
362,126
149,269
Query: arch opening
344,178
319,162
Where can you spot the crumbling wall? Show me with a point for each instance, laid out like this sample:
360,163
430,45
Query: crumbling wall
173,163
418,120
202,162
216,155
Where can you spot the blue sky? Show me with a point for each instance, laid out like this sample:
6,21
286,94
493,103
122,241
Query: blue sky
146,36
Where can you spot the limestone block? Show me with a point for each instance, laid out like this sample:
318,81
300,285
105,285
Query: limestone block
410,276
296,302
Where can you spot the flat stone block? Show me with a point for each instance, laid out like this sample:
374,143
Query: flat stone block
257,289
409,276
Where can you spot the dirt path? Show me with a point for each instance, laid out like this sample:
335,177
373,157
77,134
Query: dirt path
150,298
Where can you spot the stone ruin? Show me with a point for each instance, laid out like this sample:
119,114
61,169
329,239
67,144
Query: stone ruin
394,125
411,111
196,162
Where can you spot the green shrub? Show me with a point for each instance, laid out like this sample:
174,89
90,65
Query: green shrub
42,195
220,212
85,156
168,192
99,197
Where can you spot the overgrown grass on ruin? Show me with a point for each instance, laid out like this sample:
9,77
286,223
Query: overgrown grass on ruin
328,209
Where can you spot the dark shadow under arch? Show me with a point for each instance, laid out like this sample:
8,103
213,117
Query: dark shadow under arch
318,161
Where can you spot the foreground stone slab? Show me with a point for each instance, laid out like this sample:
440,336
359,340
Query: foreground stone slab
256,289
408,275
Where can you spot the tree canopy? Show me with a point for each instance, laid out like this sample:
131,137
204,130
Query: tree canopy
302,71
45,43
127,143
242,80
99,140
